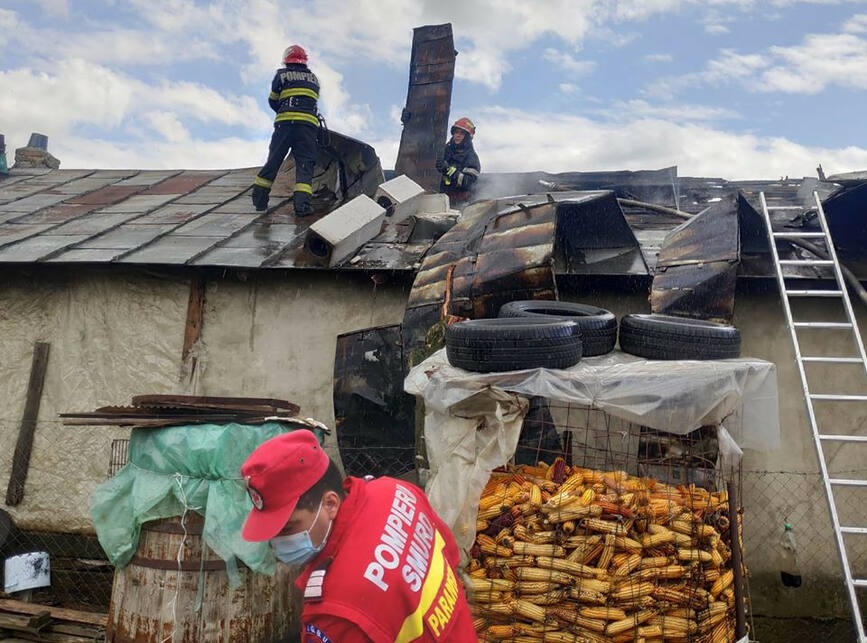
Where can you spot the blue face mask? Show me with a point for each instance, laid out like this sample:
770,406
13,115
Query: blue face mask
297,549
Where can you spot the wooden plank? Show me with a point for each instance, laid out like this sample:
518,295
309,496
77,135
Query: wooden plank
21,459
59,613
193,327
33,624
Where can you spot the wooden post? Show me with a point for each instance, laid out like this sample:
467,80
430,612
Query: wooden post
737,560
24,445
193,326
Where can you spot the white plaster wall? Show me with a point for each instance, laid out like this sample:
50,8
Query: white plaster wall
111,338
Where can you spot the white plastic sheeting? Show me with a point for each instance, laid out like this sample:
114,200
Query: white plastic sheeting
112,337
473,420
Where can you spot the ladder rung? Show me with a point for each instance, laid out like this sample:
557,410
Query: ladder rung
832,360
859,582
831,397
814,293
799,235
806,262
822,325
785,207
854,530
842,438
846,482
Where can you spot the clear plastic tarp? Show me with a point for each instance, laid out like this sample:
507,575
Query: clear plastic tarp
473,420
180,469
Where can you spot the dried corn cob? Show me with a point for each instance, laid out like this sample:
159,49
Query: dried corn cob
629,623
628,566
563,565
488,584
603,526
534,549
574,618
694,555
607,552
528,610
548,598
649,631
523,588
548,575
632,589
574,511
673,626
604,613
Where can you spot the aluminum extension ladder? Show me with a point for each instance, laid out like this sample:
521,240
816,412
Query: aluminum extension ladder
819,438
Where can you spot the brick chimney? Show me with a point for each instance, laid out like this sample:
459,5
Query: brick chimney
35,154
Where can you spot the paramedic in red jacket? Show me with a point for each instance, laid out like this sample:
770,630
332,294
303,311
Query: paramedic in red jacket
381,565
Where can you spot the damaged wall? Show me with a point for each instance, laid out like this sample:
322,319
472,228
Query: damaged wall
115,334
101,353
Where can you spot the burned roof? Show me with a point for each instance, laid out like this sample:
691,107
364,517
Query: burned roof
206,218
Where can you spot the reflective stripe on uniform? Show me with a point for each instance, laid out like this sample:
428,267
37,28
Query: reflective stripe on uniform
413,625
297,116
299,91
273,96
471,170
262,183
304,187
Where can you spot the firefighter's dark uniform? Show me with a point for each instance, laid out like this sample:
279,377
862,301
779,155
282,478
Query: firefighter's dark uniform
461,168
294,96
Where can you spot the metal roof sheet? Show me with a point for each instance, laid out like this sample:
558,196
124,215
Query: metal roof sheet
203,218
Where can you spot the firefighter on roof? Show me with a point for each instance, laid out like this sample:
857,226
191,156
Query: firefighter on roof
294,95
459,165
380,564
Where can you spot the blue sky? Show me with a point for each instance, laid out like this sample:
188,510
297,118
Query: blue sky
731,88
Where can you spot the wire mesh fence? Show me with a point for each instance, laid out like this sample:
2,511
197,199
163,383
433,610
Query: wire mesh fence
81,576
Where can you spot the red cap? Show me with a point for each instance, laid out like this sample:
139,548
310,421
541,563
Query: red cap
278,473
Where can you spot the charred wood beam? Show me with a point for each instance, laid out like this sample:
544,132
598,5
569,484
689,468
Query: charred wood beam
24,445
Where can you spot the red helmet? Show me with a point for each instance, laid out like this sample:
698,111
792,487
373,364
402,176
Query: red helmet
295,54
466,125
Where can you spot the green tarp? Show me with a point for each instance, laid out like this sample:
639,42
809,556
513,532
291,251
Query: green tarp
194,467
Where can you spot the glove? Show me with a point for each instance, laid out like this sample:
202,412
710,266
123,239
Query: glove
440,165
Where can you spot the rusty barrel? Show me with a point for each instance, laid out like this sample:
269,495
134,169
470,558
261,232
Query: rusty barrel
152,602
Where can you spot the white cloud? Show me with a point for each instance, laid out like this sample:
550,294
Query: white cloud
94,95
820,61
58,8
681,112
566,62
568,88
510,142
856,24
658,58
8,19
716,29
168,126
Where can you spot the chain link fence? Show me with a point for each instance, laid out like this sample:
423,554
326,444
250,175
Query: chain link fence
80,573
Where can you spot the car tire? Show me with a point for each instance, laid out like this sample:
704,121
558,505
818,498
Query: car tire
598,326
496,345
667,337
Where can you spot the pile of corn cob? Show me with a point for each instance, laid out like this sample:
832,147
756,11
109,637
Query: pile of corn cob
572,555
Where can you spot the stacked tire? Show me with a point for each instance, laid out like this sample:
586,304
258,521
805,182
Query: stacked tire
514,344
531,334
598,326
671,338
557,334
